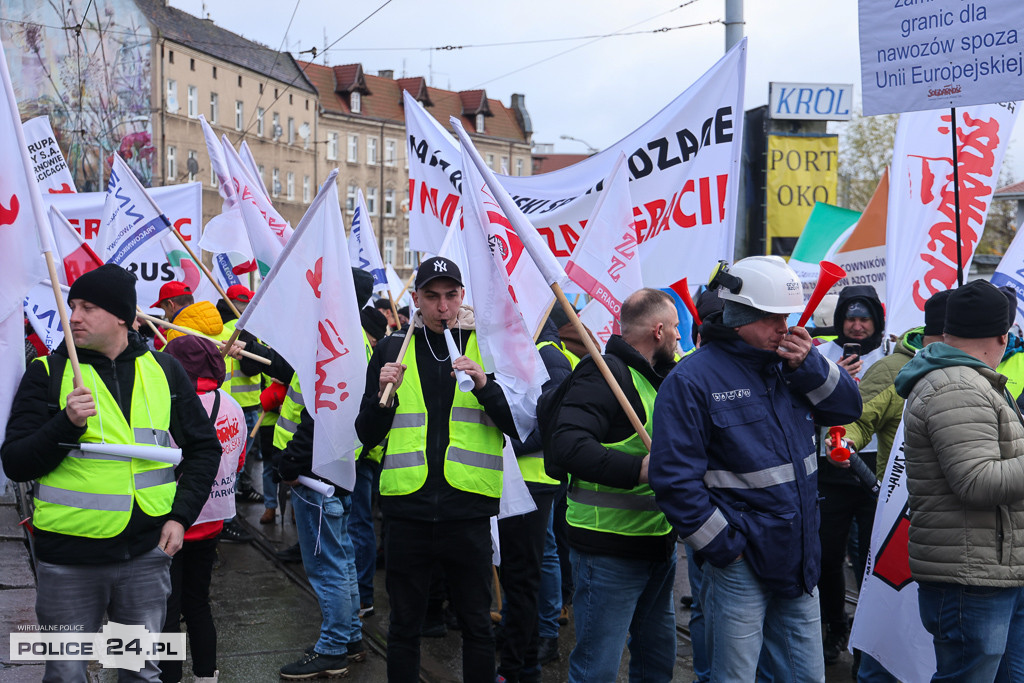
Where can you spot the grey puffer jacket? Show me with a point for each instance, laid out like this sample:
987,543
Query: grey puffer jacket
964,447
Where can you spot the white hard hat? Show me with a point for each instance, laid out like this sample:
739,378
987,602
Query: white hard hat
766,283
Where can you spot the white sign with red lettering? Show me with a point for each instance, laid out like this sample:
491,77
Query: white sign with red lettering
183,206
684,172
921,243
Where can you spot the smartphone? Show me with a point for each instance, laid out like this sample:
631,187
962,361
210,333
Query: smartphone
851,349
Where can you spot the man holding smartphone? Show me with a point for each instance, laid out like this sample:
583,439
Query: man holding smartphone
860,324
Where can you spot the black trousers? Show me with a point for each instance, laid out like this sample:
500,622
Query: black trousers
191,570
561,529
522,549
840,505
462,549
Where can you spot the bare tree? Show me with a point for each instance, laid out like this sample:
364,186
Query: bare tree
865,150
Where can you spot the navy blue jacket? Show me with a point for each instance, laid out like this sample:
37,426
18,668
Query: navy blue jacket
733,463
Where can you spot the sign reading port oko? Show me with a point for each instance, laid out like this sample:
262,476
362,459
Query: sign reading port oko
116,646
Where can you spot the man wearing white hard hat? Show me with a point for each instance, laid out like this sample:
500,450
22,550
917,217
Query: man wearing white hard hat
733,467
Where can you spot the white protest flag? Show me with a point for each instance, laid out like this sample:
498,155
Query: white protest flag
454,250
311,287
130,218
684,164
219,165
362,246
605,261
268,231
921,245
252,167
887,624
503,335
1010,272
399,292
48,163
22,239
599,320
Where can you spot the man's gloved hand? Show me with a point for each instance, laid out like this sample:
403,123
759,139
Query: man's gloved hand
272,397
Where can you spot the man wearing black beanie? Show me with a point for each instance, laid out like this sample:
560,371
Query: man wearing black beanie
964,452
106,526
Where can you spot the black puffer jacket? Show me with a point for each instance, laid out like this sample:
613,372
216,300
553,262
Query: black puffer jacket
32,449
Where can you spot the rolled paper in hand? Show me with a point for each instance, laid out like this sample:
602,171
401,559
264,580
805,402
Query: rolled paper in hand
321,487
172,456
466,382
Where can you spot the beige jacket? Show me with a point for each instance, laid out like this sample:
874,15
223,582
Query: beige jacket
965,475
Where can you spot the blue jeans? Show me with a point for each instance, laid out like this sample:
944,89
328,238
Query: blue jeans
77,595
329,560
698,637
617,598
977,631
549,605
364,538
872,671
741,616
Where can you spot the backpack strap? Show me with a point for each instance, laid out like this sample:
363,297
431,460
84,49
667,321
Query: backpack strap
55,367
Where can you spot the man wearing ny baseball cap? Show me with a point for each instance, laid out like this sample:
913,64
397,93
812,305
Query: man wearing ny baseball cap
441,474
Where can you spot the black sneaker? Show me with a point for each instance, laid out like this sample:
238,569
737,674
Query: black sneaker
292,554
248,495
316,665
547,650
234,533
365,611
357,651
832,648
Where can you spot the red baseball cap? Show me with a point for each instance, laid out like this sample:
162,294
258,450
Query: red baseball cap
172,289
240,293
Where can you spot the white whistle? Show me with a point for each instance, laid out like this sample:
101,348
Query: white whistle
461,376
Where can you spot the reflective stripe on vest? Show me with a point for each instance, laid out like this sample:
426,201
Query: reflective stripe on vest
472,460
291,412
627,512
243,388
93,494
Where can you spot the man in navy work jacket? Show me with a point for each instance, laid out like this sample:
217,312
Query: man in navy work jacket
733,466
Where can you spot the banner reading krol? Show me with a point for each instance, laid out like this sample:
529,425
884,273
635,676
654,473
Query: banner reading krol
183,206
684,172
921,243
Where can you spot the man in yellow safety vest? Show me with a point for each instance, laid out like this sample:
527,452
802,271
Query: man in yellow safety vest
106,525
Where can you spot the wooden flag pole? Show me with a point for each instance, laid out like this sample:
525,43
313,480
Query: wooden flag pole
256,427
405,289
606,372
149,323
540,328
394,310
62,311
390,386
194,333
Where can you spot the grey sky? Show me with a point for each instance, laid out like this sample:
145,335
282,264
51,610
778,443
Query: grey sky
598,92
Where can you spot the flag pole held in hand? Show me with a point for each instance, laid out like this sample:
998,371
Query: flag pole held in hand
389,388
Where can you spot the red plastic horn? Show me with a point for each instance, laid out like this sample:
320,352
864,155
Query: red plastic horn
839,452
829,274
683,291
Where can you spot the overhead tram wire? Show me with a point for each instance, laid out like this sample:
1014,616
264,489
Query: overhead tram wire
277,56
302,71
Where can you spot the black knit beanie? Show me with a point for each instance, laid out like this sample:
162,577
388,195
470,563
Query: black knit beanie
935,313
110,287
735,314
976,311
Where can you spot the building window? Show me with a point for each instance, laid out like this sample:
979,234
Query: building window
261,88
193,162
260,111
214,107
332,146
215,72
306,133
490,162
307,104
263,175
371,151
193,101
353,149
407,255
192,64
172,162
290,185
305,189
214,180
275,188
290,100
357,102
504,165
371,200
239,80
275,129
238,115
170,56
291,131
389,251
519,167
480,123
390,152
350,198
389,203
172,96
